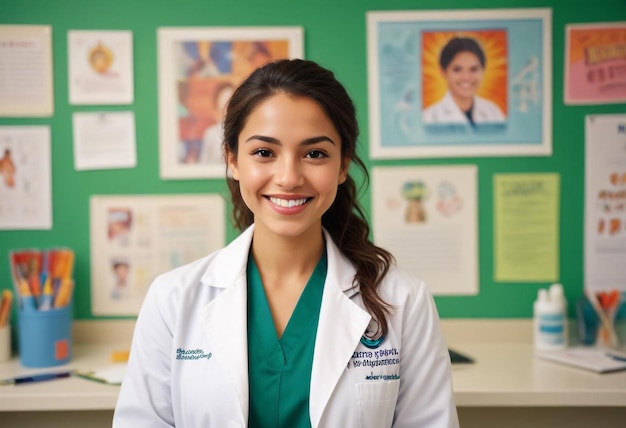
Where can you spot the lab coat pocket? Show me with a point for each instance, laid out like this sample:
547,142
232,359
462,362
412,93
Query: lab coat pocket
377,403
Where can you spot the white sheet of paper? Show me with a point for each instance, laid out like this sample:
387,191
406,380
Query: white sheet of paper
100,67
104,140
25,178
426,217
26,48
605,202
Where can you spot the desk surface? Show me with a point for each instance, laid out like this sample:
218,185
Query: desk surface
71,393
509,374
504,375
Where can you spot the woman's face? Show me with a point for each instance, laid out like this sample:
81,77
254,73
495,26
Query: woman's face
288,165
463,75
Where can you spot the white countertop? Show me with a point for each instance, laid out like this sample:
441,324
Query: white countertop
506,373
511,375
72,393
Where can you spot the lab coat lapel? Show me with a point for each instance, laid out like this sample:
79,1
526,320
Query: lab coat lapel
225,317
341,325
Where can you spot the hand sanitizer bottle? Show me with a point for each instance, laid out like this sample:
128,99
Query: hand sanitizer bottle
557,297
549,323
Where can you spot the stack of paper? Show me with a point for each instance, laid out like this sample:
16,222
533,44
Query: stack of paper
590,358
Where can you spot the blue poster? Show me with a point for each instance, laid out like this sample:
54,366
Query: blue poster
460,83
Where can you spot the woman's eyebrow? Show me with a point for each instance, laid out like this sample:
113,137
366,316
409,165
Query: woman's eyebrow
307,142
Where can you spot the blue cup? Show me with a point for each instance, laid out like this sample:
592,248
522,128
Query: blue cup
45,338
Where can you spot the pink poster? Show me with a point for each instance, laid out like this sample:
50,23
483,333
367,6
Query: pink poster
595,63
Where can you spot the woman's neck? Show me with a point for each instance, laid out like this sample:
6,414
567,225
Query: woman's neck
287,256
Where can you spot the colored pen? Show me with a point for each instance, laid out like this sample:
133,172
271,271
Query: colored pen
27,299
5,307
34,378
64,294
616,357
45,302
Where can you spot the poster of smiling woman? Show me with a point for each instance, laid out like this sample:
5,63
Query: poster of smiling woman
460,83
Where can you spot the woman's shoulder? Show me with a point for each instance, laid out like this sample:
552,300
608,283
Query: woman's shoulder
218,268
398,286
186,276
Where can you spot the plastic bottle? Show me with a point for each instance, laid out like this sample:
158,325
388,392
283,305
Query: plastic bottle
558,297
549,323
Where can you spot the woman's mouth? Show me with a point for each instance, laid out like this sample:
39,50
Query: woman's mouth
288,203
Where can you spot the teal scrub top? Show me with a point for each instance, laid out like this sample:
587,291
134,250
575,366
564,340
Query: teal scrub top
279,370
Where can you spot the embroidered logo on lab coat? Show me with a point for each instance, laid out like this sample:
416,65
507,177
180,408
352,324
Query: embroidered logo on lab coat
192,354
385,359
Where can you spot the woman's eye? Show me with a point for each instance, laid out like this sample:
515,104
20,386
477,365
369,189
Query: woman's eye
263,153
316,154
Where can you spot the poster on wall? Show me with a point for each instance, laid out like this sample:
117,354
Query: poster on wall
135,238
526,227
199,68
605,202
427,218
100,67
595,63
460,83
26,47
25,178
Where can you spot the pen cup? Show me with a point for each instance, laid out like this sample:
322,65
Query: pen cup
45,337
5,343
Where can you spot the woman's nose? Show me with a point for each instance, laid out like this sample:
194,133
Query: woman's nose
289,173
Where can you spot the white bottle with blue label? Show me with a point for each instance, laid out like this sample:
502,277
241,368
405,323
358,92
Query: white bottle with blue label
550,330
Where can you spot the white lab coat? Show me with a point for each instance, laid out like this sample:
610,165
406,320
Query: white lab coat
188,364
446,111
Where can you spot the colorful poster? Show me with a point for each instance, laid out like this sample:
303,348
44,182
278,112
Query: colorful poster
25,178
526,227
100,67
135,238
605,202
595,63
198,71
427,218
460,83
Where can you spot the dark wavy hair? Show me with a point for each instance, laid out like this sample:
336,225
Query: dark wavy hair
457,45
345,219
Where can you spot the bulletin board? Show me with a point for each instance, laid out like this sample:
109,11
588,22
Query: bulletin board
335,36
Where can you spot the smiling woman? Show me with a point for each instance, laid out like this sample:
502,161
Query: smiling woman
305,321
288,164
462,64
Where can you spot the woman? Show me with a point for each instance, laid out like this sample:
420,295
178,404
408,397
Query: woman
462,62
300,321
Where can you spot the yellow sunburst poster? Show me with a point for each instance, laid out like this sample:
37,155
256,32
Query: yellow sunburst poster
460,83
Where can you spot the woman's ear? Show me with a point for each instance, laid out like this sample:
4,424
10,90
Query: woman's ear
343,172
231,160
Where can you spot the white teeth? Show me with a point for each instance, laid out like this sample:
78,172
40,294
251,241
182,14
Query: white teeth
287,203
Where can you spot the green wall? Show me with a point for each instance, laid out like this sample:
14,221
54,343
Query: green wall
335,36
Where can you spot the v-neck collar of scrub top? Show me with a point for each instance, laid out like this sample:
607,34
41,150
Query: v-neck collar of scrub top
340,327
280,368
308,303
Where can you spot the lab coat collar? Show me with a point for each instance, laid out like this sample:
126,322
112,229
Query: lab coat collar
340,327
230,263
